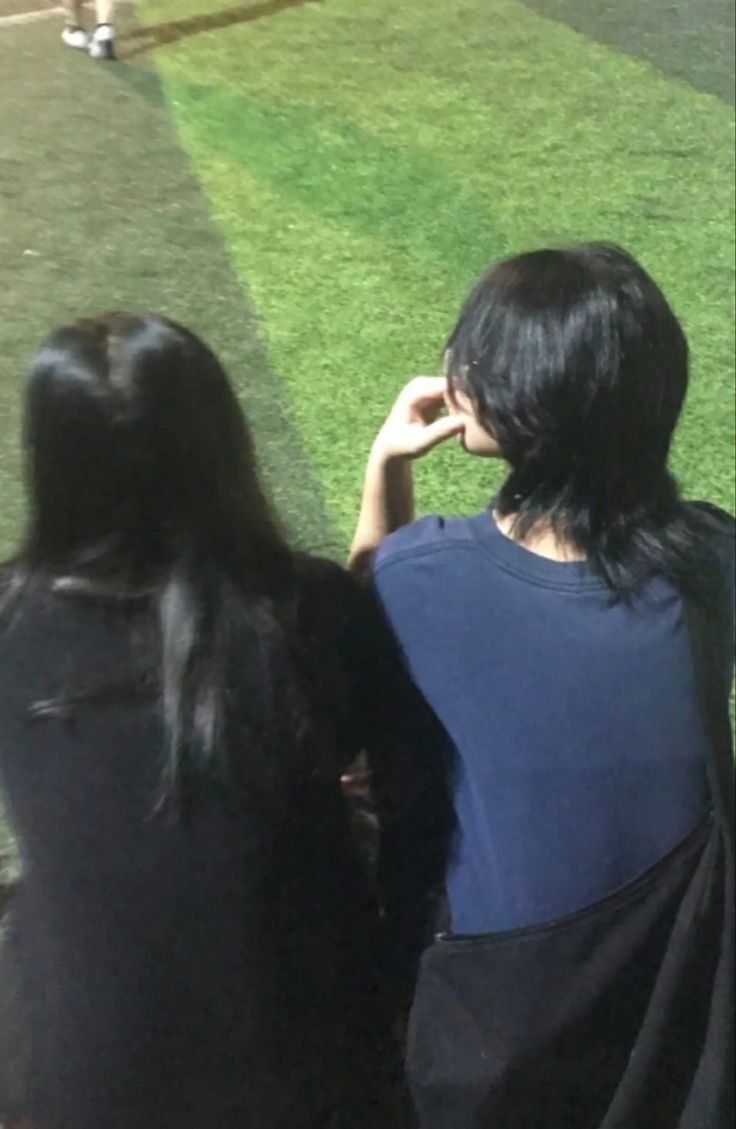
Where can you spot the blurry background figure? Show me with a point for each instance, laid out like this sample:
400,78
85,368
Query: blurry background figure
101,44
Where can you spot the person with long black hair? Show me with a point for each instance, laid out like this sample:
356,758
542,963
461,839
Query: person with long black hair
180,692
583,977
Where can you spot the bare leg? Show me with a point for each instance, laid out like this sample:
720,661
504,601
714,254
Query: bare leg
105,11
73,13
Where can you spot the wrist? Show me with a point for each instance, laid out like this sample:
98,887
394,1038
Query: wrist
384,457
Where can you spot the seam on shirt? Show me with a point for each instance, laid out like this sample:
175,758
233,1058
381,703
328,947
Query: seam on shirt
591,585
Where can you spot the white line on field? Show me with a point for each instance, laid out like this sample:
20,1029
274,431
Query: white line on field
29,17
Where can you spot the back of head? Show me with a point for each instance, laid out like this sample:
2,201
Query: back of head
575,363
137,454
142,482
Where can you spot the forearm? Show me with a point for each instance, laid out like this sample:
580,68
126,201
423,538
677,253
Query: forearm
72,11
388,503
413,427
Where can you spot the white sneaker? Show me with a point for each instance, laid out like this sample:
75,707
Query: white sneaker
75,37
102,44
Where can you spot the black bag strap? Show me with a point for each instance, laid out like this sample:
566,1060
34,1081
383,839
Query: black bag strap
705,622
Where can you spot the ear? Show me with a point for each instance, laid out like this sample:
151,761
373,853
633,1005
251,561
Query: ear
459,403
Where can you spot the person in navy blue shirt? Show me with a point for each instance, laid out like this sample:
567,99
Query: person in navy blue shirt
547,632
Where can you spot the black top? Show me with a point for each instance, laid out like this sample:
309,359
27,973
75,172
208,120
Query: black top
209,972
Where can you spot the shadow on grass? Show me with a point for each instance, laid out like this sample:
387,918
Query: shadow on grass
145,38
690,40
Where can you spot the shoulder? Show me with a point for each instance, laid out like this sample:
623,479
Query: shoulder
720,522
426,537
9,585
52,625
324,583
333,603
21,604
348,638
715,532
718,528
38,635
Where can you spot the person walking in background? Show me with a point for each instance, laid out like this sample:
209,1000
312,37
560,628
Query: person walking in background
576,641
180,693
101,43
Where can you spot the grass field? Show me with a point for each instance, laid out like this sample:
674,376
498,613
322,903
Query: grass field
313,186
365,161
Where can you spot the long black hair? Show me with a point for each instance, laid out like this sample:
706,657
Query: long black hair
143,490
575,363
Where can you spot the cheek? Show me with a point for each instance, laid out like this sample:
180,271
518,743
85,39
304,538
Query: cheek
477,441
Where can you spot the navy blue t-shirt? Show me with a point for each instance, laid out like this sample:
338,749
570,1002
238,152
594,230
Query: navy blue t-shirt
578,747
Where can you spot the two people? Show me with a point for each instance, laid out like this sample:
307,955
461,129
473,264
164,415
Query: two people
182,691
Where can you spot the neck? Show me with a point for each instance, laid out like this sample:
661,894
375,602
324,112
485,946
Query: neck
542,540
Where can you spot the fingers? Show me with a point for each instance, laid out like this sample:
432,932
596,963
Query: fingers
424,389
444,428
414,425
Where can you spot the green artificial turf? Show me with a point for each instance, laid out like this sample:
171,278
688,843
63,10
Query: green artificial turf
691,40
365,161
99,209
362,162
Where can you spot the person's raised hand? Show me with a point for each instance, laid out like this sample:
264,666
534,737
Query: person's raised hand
415,424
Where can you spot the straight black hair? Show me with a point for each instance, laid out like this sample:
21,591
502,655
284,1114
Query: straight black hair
143,489
575,363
